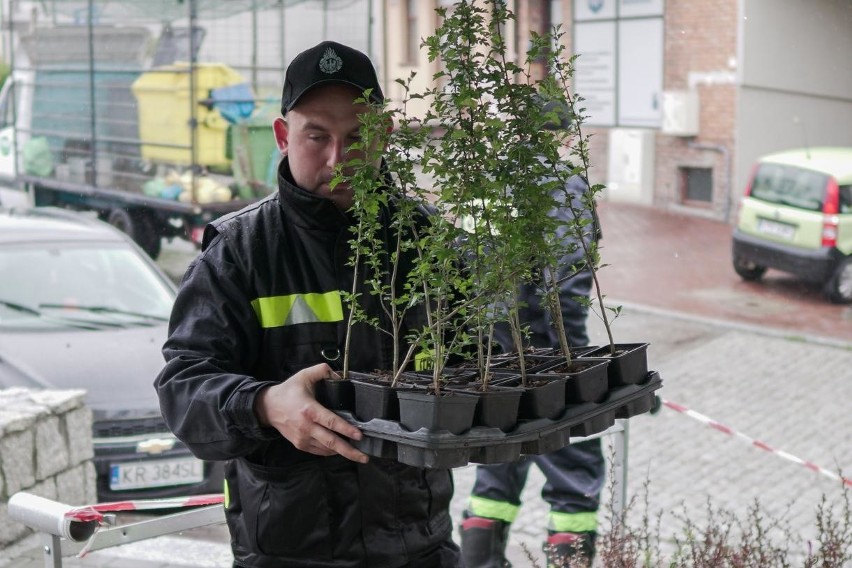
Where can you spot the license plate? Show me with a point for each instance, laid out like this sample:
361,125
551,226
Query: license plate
776,229
155,473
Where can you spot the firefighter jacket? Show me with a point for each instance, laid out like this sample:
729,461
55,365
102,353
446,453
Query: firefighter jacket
261,302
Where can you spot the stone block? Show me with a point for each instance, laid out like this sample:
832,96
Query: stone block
46,489
51,449
71,486
10,531
78,431
15,419
59,402
91,482
17,461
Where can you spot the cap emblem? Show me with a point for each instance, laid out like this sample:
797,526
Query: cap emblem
330,62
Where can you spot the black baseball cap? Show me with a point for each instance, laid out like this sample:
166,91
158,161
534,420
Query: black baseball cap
328,62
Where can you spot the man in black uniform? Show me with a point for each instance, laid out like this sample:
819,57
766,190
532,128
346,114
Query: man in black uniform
259,321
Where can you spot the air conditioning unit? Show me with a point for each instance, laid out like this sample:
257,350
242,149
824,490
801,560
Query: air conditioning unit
680,113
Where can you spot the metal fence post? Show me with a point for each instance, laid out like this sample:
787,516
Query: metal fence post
619,467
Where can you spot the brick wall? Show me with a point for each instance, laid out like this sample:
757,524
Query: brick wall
700,49
45,449
700,53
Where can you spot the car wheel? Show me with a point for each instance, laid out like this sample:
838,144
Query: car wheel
150,239
748,270
839,286
139,226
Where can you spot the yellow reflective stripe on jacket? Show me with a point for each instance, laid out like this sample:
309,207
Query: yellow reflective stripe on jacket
292,309
491,509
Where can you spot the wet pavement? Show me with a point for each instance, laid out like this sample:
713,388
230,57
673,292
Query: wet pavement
771,360
682,263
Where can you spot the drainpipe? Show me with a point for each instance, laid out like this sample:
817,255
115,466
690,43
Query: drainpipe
726,156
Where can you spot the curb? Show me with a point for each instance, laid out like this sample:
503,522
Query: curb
776,332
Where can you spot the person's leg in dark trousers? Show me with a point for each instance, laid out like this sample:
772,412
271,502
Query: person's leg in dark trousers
494,503
574,474
574,480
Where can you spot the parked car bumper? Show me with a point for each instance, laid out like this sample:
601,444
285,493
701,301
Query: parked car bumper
811,265
153,465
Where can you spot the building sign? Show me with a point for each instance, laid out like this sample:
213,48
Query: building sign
585,10
594,72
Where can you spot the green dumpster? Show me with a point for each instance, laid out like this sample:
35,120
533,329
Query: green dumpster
254,154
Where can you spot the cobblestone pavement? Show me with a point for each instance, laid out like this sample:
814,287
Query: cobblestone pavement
760,360
791,394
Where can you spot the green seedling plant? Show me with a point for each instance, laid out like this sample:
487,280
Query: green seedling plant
574,240
498,176
486,165
384,188
388,196
499,170
561,72
465,157
367,186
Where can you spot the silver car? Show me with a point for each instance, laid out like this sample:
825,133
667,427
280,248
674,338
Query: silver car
81,306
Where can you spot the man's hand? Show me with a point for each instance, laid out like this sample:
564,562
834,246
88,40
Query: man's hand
292,409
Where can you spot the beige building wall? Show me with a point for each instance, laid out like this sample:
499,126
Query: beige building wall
795,77
401,59
398,63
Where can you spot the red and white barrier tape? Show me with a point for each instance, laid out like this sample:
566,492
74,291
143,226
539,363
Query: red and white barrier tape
756,443
88,513
95,513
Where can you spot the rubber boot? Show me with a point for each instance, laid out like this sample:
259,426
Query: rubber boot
570,550
483,543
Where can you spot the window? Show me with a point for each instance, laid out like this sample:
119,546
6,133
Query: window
696,184
620,68
787,185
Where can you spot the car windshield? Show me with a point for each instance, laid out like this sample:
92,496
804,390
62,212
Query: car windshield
787,185
90,286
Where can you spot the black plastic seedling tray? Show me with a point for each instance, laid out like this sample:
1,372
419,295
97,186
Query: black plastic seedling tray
442,449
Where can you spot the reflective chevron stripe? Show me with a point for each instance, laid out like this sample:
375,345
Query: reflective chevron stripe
573,522
293,309
491,509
